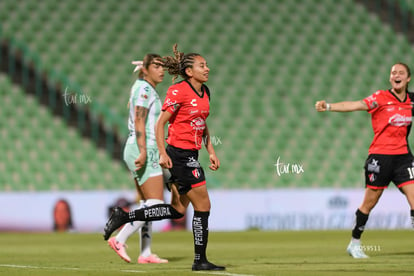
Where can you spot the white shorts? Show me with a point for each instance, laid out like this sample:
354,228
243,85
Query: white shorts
152,167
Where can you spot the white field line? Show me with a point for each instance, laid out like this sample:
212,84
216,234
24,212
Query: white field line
58,268
133,271
124,270
38,267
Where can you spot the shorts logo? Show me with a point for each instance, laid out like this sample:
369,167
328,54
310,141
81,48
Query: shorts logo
373,166
193,163
196,173
372,177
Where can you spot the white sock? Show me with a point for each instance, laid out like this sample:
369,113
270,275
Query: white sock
146,239
130,228
146,231
153,201
356,240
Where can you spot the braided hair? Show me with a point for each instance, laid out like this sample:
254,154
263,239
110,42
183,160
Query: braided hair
177,64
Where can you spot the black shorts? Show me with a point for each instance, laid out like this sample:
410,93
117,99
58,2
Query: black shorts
186,171
381,169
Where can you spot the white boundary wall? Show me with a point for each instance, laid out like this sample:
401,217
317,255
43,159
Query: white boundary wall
232,210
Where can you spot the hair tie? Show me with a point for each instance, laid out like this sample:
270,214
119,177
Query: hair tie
138,63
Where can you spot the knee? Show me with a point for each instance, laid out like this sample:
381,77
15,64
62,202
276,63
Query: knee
179,208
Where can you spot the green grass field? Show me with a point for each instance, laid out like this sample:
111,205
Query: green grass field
244,253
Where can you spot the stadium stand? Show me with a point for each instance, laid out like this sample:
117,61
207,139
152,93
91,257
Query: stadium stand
39,152
270,61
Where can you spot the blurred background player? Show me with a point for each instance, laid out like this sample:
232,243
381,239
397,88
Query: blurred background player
186,108
141,154
62,216
390,158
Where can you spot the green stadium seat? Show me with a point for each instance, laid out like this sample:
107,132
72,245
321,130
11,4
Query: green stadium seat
46,154
255,63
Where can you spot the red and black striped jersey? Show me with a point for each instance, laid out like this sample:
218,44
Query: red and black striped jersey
189,113
391,121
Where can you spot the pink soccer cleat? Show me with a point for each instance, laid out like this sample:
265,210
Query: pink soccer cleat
119,248
151,259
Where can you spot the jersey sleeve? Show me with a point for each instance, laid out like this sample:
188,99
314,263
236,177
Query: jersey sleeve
142,96
372,101
173,100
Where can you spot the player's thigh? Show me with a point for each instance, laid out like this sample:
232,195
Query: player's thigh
199,198
153,188
404,170
408,191
378,171
131,153
179,202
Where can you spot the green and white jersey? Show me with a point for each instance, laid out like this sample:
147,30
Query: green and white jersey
143,94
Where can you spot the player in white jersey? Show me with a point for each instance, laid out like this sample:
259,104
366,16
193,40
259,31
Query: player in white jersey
141,154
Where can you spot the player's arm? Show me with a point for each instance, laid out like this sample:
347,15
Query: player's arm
141,114
346,106
165,160
171,104
214,161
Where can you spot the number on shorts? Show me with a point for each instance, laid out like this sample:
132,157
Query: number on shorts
411,172
152,156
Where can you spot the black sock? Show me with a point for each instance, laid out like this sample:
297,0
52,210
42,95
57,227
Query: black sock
360,221
200,233
412,218
155,212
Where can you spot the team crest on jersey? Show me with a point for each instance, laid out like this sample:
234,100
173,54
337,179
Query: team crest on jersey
196,173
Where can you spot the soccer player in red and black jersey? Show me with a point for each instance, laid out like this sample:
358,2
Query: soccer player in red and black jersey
186,108
390,158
